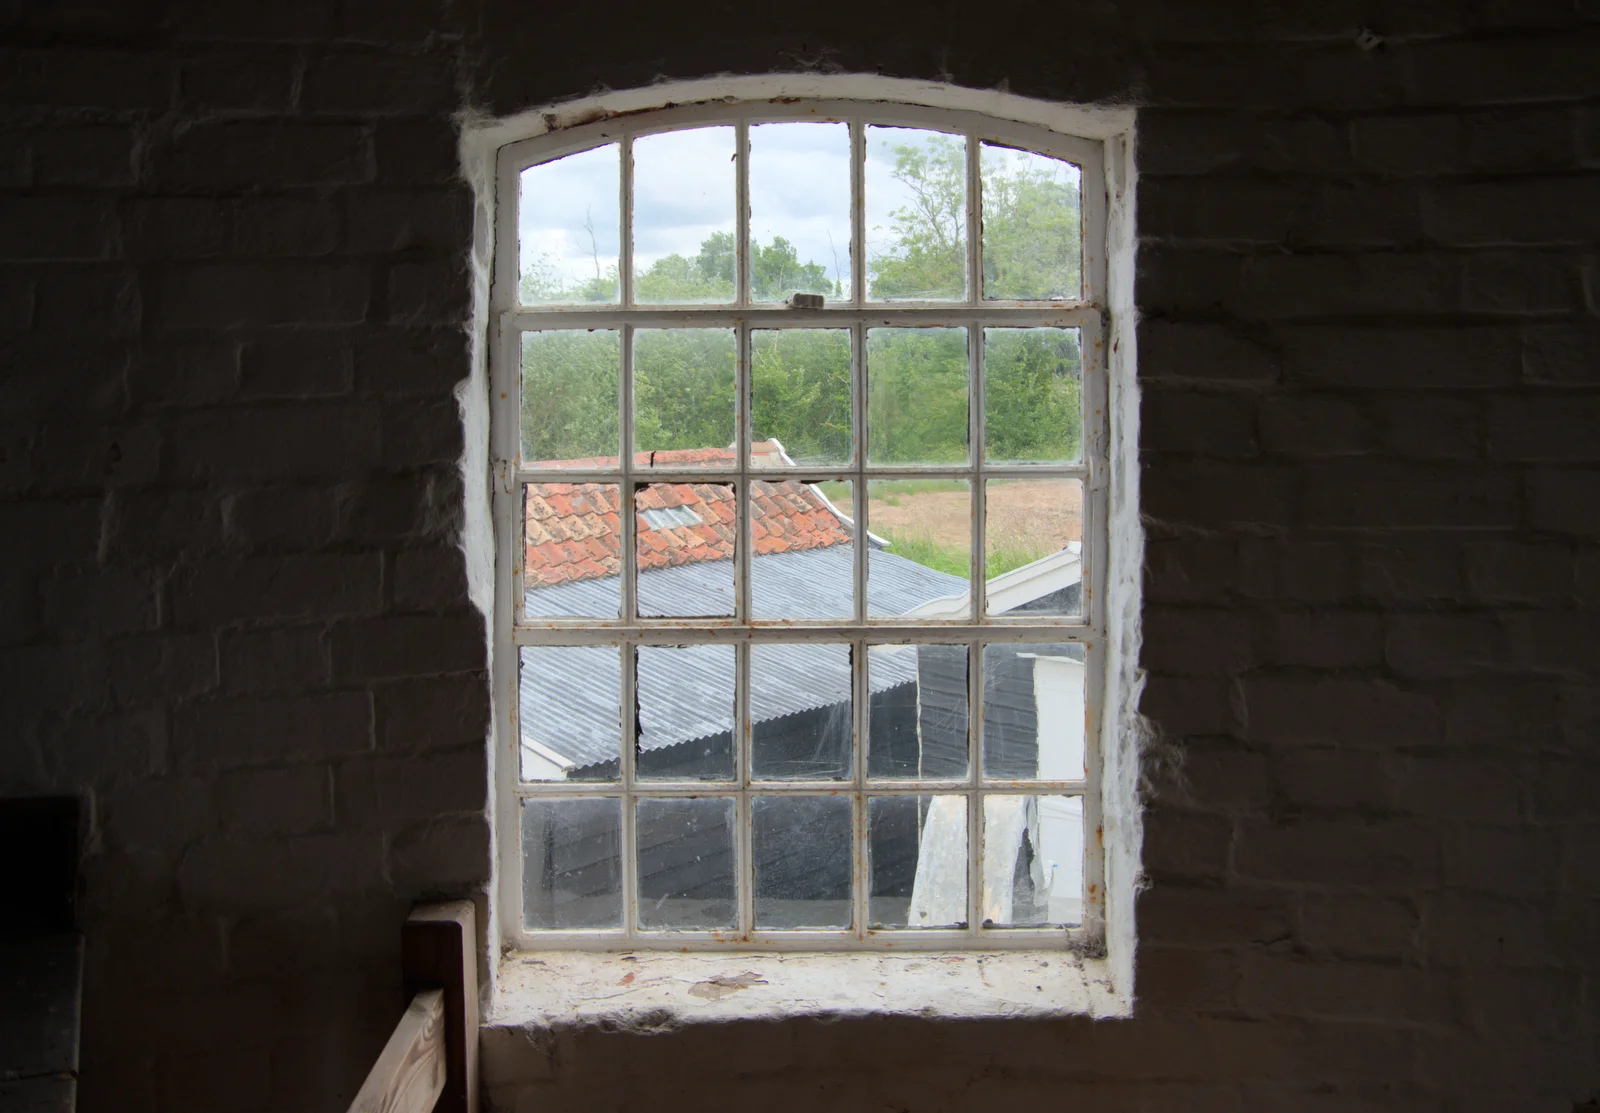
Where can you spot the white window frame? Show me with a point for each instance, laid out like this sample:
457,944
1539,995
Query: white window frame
507,320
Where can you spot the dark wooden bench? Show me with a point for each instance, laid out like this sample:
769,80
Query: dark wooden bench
431,1059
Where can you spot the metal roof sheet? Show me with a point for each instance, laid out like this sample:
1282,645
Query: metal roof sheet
569,696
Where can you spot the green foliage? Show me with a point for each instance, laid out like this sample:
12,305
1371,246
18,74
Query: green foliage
924,550
569,394
1032,394
1032,238
683,388
800,392
917,395
800,386
928,257
776,272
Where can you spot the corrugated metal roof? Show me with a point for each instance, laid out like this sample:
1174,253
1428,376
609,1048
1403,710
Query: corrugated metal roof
569,696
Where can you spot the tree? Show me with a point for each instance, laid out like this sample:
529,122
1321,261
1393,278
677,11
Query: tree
927,255
800,385
1032,232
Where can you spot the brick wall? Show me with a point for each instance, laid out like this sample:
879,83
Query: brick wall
232,610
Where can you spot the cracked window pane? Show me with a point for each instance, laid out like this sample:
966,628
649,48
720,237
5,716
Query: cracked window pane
685,713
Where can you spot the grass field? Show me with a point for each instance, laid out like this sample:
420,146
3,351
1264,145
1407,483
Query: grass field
930,520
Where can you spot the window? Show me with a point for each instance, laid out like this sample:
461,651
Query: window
805,601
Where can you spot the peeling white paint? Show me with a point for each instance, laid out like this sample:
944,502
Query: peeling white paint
554,989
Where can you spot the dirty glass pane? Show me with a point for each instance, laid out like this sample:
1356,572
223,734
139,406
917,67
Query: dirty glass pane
917,720
571,864
800,396
684,535
683,217
1033,546
799,210
800,712
1034,712
685,713
683,398
1032,396
921,536
686,863
569,707
801,850
568,229
916,214
917,861
1032,861
804,561
917,396
1032,231
572,550
569,398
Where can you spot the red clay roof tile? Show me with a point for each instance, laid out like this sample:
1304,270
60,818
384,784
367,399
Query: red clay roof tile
573,529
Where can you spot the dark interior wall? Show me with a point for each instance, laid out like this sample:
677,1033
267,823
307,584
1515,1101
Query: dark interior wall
233,615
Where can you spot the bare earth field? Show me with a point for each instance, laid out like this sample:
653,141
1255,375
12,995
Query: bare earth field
1029,514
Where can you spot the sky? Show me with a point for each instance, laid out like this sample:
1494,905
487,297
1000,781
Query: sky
684,191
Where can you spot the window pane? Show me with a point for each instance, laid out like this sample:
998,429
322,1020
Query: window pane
921,534
683,397
1032,234
685,538
570,712
800,396
917,396
569,398
1032,395
804,563
801,847
1034,712
572,556
571,864
685,713
1032,861
917,720
916,213
799,210
800,712
686,863
569,224
917,854
1033,550
683,204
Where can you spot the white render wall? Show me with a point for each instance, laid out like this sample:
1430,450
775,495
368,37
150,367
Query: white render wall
235,611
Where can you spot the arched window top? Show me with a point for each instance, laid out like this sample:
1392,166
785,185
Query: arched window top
743,204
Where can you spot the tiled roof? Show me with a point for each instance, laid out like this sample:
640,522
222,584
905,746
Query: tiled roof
574,529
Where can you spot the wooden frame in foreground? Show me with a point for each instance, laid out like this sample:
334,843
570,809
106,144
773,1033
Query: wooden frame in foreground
431,1059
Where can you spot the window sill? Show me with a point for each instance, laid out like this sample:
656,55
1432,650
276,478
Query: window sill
548,990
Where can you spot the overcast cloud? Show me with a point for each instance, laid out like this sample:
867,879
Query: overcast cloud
684,191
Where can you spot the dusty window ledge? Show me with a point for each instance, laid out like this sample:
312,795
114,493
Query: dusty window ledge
548,990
